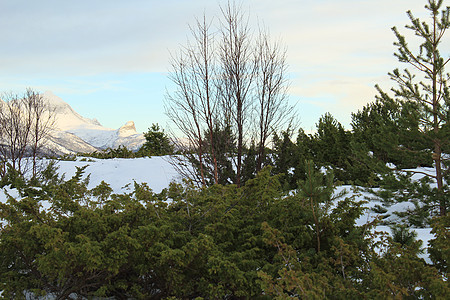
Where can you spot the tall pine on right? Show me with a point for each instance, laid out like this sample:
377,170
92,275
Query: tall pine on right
424,86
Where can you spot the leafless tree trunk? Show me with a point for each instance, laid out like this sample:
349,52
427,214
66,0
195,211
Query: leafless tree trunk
204,60
184,112
3,123
194,106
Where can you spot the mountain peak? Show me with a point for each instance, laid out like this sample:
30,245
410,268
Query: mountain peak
128,129
66,117
52,98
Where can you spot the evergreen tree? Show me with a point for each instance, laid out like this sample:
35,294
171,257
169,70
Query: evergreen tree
425,87
333,147
320,250
289,157
386,132
331,142
157,142
440,246
284,156
397,271
317,189
219,242
390,130
249,165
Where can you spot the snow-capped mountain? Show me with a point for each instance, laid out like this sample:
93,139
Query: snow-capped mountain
75,133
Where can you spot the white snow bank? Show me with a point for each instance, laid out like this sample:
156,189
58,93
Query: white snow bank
120,173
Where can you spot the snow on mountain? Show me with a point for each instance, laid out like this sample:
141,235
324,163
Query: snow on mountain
75,133
102,138
66,117
65,142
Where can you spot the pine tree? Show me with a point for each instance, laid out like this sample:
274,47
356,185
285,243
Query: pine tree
284,156
390,130
331,146
317,189
332,143
249,165
440,246
425,87
157,142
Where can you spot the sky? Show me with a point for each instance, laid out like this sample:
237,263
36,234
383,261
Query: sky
110,59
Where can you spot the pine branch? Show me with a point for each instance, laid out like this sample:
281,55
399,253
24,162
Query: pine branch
416,172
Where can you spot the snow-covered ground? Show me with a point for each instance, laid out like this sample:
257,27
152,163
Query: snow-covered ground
120,173
423,234
157,172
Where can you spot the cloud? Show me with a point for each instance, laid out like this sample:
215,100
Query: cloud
104,36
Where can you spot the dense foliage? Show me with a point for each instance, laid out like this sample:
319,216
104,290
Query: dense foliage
219,242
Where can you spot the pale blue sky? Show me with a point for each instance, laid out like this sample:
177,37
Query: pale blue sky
109,59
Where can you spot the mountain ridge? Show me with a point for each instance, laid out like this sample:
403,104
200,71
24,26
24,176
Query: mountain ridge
74,133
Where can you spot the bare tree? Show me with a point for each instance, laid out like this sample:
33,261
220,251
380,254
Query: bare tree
26,122
192,107
238,69
3,160
3,156
226,82
272,108
16,125
42,123
204,66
